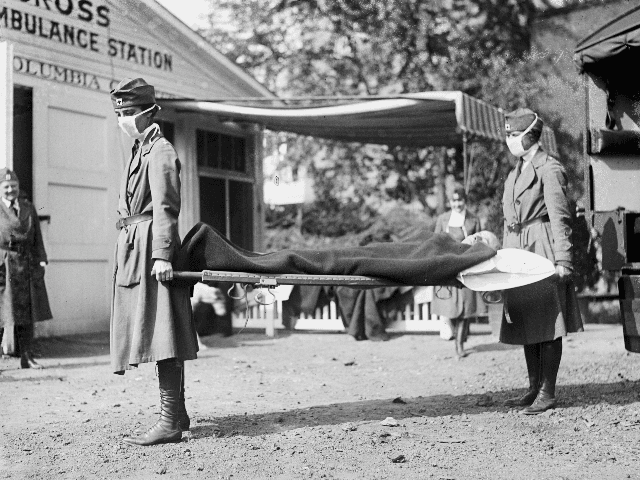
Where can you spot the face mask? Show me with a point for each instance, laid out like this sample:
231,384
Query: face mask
515,144
128,124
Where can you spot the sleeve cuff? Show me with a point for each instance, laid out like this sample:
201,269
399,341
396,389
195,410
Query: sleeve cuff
161,254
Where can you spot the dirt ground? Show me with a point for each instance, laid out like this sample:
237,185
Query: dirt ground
310,405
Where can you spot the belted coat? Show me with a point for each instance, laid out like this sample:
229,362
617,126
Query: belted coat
462,302
23,295
150,320
548,309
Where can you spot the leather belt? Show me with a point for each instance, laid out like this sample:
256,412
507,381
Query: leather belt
140,217
518,227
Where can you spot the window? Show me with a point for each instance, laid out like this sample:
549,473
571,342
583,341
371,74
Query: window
227,205
220,151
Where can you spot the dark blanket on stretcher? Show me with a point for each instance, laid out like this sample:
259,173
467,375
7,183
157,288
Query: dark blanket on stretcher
435,260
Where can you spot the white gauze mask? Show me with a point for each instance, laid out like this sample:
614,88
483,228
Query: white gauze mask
515,144
128,124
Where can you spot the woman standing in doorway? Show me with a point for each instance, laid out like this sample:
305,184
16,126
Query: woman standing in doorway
23,295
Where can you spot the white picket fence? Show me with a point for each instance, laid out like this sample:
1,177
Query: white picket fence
414,318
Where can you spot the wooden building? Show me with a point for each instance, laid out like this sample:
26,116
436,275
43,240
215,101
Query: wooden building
58,62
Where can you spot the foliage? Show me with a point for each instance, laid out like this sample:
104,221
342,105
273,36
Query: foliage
397,224
370,46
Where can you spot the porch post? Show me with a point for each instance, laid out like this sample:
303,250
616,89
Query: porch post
441,181
6,104
465,162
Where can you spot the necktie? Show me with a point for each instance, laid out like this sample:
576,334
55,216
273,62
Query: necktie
14,208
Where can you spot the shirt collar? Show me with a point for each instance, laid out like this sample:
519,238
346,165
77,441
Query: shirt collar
7,202
147,137
457,219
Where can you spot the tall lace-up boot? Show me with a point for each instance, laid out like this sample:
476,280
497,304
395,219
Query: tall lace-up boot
167,428
546,399
534,371
183,417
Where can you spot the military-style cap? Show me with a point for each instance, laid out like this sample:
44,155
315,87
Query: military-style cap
7,175
520,119
130,93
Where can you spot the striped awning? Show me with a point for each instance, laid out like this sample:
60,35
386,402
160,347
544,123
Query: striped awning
417,120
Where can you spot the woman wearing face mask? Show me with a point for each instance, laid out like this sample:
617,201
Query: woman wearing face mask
537,218
462,304
150,318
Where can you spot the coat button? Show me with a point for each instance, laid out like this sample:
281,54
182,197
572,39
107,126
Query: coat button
517,202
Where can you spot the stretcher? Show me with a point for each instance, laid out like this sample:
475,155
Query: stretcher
509,268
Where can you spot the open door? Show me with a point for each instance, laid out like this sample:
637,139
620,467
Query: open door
76,184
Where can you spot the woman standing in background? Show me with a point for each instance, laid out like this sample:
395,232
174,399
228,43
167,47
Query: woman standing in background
463,304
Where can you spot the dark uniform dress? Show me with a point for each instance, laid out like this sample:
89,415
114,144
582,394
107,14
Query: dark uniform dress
150,320
546,310
463,303
23,295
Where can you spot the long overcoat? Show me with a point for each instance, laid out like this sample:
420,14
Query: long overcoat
150,321
548,309
23,294
452,302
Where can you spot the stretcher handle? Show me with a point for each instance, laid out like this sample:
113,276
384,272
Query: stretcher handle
273,280
195,276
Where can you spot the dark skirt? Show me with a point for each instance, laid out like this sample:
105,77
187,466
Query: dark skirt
540,312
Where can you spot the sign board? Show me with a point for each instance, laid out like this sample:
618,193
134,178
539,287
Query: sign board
94,44
288,193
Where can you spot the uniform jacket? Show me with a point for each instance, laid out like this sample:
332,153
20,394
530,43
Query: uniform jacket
545,310
471,222
23,295
150,321
541,189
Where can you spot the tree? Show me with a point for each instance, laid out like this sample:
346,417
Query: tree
372,47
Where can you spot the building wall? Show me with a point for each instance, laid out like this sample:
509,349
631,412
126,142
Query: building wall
72,57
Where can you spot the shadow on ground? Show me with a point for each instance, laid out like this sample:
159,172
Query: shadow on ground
96,344
493,347
621,393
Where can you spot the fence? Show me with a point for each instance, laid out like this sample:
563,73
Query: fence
415,317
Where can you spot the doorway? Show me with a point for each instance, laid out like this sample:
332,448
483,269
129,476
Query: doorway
23,138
